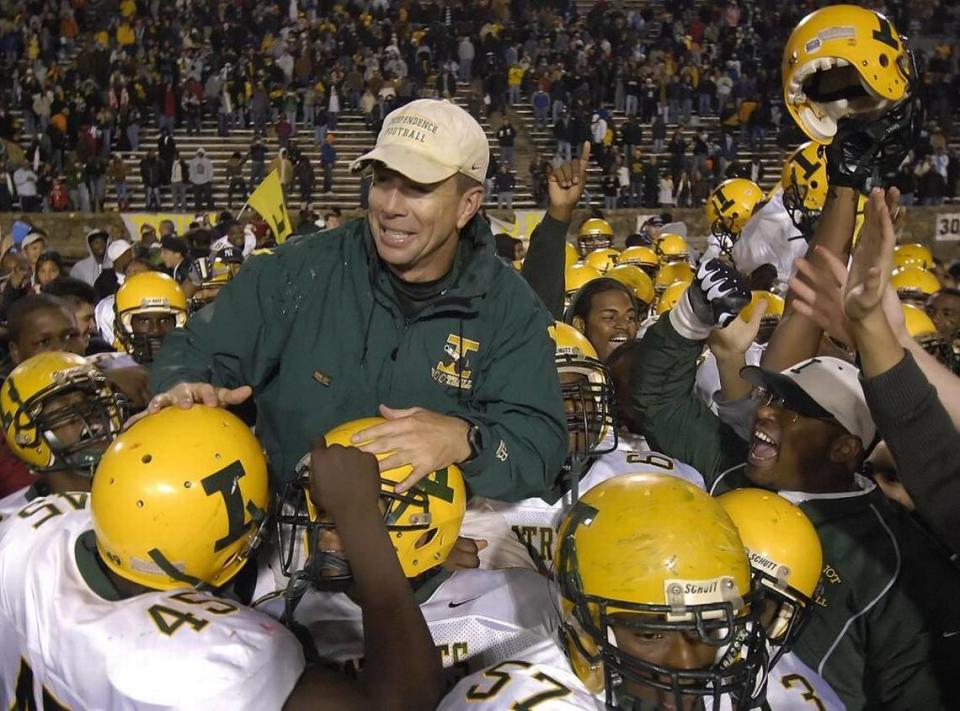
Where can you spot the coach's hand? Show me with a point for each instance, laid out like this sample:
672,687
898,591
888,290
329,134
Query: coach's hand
425,440
185,395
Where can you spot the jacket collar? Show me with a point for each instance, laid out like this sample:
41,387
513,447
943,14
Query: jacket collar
478,266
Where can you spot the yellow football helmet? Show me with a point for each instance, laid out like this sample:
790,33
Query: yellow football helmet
587,393
626,558
670,273
912,255
785,554
729,207
570,255
642,257
670,296
771,317
842,60
603,260
914,284
804,181
672,248
52,396
180,499
575,277
924,331
423,523
145,294
636,280
595,233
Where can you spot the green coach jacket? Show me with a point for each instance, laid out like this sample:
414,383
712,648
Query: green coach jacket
315,328
884,629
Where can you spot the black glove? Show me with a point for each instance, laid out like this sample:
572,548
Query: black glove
862,146
718,293
713,300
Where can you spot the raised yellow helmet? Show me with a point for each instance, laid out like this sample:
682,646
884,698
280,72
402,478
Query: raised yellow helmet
785,554
589,399
672,248
914,283
626,558
913,255
603,260
842,60
670,273
731,205
142,294
52,390
180,499
570,256
642,257
595,233
670,296
771,317
635,279
422,523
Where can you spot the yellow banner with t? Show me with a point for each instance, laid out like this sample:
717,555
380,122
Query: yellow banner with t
268,200
523,225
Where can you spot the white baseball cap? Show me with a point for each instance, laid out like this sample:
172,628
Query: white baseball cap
117,248
429,140
820,387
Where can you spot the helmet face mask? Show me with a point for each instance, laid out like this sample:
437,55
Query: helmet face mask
731,628
142,308
422,523
66,424
803,218
589,404
589,243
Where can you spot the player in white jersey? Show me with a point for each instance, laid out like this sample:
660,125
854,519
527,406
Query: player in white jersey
781,229
651,613
104,608
58,413
476,617
787,559
596,454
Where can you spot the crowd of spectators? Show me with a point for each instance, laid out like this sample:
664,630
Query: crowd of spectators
82,80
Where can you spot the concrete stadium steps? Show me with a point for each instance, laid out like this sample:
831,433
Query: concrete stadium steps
771,156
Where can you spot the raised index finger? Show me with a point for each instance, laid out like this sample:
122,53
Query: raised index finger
584,159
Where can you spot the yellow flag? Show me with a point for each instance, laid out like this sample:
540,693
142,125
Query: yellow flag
268,200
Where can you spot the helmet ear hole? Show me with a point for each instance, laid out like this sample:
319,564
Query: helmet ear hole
884,60
426,538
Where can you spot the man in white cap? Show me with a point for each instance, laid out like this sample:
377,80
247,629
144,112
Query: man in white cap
878,635
407,314
119,254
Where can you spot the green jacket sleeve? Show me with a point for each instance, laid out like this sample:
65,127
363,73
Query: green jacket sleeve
522,421
545,264
238,339
672,418
924,441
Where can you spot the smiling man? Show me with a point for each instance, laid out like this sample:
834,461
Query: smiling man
408,314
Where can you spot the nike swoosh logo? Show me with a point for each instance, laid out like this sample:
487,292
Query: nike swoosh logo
948,635
458,604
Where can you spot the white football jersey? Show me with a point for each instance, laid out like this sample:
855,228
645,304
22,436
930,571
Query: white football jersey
476,618
81,648
793,685
11,503
535,521
539,677
770,237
